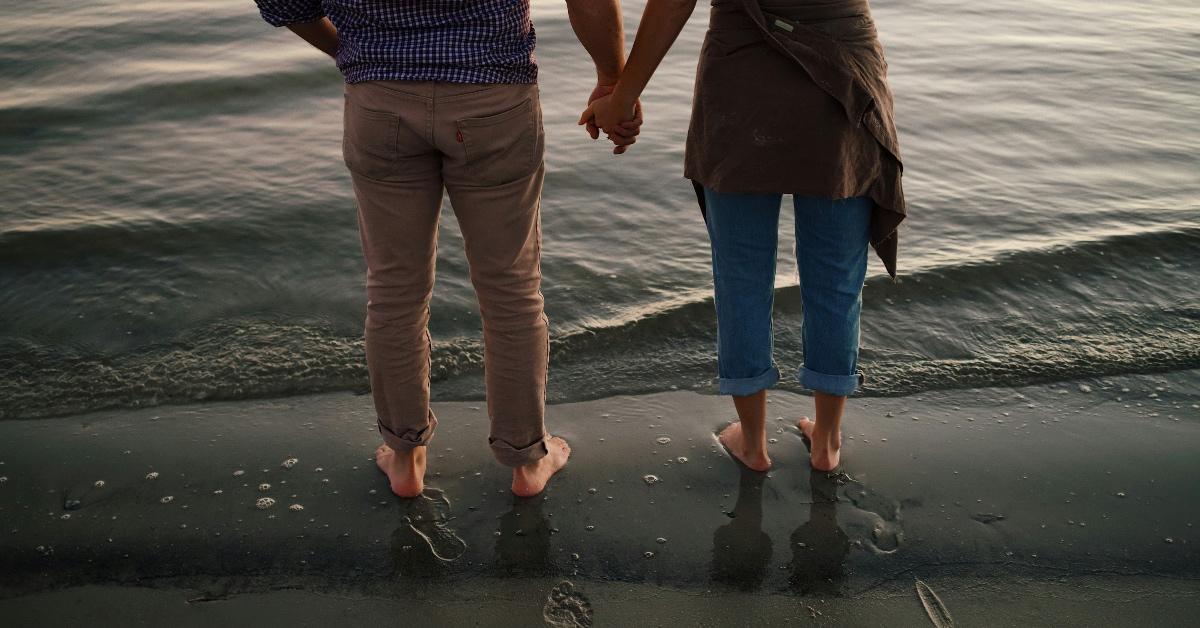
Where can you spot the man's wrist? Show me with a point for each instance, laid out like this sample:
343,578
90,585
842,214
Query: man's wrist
607,78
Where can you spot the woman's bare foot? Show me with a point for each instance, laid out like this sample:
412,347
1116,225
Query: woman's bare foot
405,469
825,448
531,479
752,454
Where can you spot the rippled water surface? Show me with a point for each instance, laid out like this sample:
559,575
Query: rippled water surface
176,223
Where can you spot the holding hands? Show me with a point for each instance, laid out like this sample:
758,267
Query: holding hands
613,106
621,121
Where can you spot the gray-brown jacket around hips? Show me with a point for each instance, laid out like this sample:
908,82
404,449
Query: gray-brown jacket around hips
792,98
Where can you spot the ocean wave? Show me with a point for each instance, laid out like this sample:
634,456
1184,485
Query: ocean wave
966,344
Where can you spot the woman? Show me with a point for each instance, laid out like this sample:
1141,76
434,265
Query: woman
791,98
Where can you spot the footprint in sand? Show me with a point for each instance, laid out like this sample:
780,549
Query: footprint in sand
427,516
567,608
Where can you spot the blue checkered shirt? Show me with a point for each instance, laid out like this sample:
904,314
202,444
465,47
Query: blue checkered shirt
456,41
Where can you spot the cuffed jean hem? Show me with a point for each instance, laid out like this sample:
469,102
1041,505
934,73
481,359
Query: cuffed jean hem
512,456
838,385
748,385
410,439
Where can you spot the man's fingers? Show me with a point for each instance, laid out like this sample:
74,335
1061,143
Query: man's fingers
592,129
626,131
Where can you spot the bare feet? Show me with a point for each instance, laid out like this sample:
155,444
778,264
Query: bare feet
531,479
825,447
752,454
405,469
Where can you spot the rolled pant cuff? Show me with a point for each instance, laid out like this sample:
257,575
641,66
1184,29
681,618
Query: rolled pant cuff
839,385
512,456
748,385
410,439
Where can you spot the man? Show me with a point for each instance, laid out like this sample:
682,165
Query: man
443,96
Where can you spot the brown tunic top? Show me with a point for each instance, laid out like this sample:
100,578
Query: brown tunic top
792,98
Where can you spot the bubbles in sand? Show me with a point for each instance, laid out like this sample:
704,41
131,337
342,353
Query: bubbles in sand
153,475
660,540
663,440
72,504
592,491
3,479
296,507
1120,493
99,484
648,554
66,515
1084,388
651,479
264,487
167,499
289,463
238,473
681,459
264,503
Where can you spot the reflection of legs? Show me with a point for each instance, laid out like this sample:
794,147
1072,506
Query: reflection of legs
741,550
743,233
820,546
523,546
831,255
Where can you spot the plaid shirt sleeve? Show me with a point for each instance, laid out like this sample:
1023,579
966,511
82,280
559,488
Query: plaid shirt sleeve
284,12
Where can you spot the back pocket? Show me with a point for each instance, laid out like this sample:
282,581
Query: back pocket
370,144
501,148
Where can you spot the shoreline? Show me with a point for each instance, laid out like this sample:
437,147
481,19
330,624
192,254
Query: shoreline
1049,484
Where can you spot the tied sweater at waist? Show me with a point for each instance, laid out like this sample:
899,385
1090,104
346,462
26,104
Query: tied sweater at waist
792,97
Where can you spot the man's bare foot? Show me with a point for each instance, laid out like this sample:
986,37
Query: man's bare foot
531,479
751,454
405,469
825,449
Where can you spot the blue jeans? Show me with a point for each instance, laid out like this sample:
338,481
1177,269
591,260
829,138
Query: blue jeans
832,237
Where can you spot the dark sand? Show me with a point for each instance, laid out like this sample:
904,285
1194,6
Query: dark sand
1067,504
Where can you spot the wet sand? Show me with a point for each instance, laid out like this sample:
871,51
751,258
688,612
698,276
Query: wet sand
1042,505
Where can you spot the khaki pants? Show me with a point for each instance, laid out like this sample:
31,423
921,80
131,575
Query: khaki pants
406,142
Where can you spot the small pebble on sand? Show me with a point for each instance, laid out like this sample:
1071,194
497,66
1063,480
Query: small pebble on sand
663,440
651,479
99,484
648,554
167,499
152,475
238,473
289,463
296,507
681,459
3,479
660,540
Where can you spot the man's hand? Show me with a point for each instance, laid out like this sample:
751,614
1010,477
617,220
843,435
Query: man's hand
622,134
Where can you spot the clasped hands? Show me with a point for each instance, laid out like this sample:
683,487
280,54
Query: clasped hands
619,119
